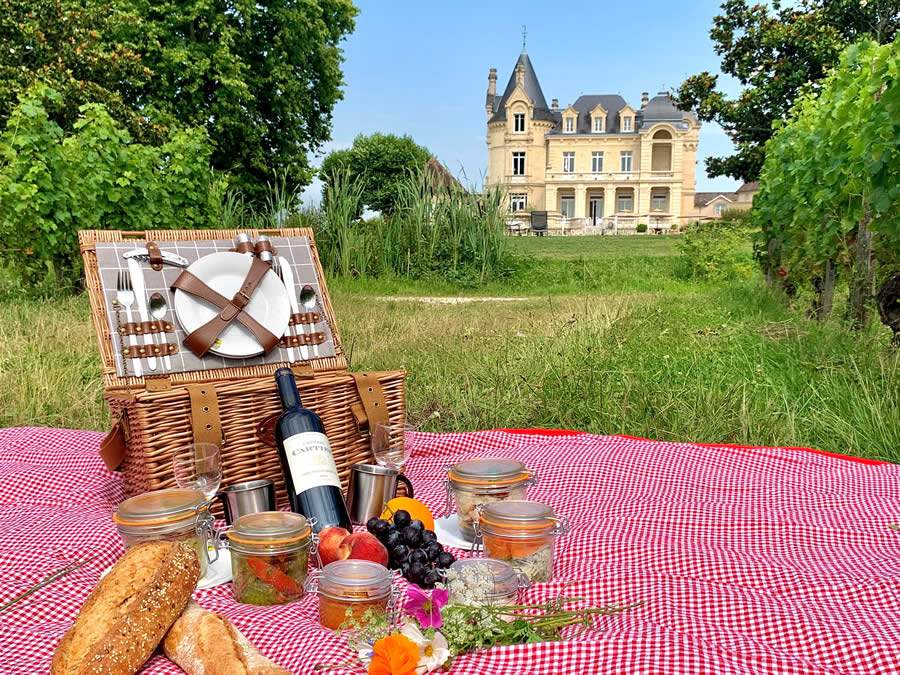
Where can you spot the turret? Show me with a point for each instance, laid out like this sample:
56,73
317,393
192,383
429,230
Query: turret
491,92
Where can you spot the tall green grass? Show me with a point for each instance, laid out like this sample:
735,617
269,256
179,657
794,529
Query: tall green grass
435,231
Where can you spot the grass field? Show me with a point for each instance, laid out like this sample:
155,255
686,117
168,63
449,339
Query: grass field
608,340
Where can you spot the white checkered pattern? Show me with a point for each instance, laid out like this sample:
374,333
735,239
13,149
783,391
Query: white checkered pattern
748,560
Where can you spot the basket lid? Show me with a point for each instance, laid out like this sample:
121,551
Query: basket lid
159,507
270,528
488,471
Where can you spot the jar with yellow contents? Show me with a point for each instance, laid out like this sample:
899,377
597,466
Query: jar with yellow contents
349,589
174,514
522,533
486,480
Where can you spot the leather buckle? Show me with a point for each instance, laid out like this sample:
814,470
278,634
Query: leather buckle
244,299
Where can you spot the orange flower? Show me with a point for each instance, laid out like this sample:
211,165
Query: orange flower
395,654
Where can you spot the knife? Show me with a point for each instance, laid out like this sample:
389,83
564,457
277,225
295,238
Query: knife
140,294
168,257
288,273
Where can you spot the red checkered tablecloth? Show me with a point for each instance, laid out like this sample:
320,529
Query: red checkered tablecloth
748,560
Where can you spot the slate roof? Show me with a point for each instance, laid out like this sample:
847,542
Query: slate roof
532,89
704,198
750,186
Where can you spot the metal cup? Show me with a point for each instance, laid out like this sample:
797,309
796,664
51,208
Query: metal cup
371,487
251,496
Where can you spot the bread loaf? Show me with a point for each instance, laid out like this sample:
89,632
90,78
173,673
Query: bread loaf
204,643
128,613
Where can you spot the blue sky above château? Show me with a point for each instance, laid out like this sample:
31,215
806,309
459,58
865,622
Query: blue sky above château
421,68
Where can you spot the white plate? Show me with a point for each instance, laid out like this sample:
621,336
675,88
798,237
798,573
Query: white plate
448,534
225,273
217,573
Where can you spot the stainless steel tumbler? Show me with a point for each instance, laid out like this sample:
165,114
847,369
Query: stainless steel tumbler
371,487
251,496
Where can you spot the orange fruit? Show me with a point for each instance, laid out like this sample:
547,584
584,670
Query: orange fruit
416,509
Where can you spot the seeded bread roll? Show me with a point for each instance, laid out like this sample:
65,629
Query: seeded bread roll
204,643
128,613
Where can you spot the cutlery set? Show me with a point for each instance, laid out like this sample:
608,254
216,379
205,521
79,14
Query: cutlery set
205,312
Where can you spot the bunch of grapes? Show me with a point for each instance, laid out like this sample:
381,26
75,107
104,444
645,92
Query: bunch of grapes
412,549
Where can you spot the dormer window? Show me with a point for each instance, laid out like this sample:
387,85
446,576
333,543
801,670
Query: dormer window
569,125
519,122
598,125
627,123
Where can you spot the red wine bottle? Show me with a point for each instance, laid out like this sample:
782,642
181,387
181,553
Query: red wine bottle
310,473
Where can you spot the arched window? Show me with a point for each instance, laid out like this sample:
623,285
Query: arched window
661,135
661,153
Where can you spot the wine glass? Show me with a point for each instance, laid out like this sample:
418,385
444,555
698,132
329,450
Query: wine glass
390,444
199,467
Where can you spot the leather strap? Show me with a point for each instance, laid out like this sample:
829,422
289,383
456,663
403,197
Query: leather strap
305,318
156,259
113,446
200,341
264,245
141,351
305,339
372,408
205,422
146,327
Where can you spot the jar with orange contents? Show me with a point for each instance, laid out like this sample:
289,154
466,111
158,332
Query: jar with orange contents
347,589
522,533
485,480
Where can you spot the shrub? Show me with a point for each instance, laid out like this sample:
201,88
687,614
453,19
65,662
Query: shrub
641,228
53,184
715,250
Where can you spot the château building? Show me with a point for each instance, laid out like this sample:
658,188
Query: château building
597,162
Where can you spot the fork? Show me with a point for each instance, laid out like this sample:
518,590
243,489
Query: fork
125,297
276,267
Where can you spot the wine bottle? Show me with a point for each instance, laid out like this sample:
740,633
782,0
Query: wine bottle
310,473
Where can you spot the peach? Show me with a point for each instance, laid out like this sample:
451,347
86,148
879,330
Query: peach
336,543
365,546
333,545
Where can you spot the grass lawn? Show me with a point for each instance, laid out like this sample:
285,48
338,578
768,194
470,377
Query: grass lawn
607,339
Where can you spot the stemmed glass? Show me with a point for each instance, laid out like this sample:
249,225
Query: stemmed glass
199,467
390,444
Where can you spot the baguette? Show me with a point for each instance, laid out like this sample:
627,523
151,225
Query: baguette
128,613
204,643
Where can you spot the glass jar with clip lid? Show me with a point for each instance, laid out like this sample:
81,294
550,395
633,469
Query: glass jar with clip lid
473,482
270,556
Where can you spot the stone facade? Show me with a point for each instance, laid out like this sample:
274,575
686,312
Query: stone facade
598,162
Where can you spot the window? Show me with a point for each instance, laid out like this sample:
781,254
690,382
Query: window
518,202
518,163
719,209
567,206
625,161
519,122
568,162
598,124
626,202
626,124
659,200
570,124
596,162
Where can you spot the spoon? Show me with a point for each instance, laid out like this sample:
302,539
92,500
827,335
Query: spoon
309,301
158,310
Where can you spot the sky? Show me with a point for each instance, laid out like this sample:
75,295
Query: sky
420,68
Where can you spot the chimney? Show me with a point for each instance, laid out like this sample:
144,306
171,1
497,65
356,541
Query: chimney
554,104
645,99
520,75
491,92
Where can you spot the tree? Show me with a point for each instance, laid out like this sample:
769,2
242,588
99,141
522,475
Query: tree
775,52
261,77
380,162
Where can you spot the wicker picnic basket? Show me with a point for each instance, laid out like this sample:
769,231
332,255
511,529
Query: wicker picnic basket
156,415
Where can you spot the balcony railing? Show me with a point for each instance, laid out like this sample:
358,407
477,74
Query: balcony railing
610,175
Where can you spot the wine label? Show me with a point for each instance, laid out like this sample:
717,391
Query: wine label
310,460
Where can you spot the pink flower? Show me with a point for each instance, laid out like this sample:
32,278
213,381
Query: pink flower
425,608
